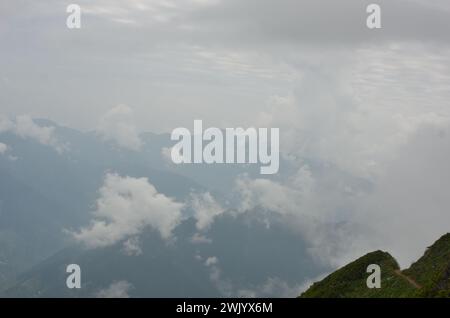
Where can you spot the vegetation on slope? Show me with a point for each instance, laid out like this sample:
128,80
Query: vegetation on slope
432,270
428,277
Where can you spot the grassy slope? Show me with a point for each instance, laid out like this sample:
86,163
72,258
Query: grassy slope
350,280
432,272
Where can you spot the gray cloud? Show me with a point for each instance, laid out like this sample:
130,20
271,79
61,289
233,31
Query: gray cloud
408,209
348,126
176,58
117,125
3,148
323,22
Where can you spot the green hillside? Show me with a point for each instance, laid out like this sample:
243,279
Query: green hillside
428,277
432,270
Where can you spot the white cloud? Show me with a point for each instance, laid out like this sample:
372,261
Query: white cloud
287,198
119,289
117,125
206,209
210,261
126,207
25,127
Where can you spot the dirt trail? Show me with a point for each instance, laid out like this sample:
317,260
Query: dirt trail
409,279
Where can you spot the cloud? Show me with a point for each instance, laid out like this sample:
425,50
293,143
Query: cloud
307,204
356,114
25,127
324,22
166,155
6,150
348,125
210,261
273,287
119,289
131,247
272,195
224,286
200,239
6,124
196,50
403,209
117,125
133,12
3,148
408,208
125,208
206,209
349,101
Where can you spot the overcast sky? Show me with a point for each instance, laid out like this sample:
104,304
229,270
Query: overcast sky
361,100
221,61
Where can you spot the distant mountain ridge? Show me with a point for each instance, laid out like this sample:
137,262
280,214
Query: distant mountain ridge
427,277
45,193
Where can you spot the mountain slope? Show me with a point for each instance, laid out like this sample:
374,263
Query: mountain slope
350,281
432,270
242,253
428,277
43,192
30,226
160,271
